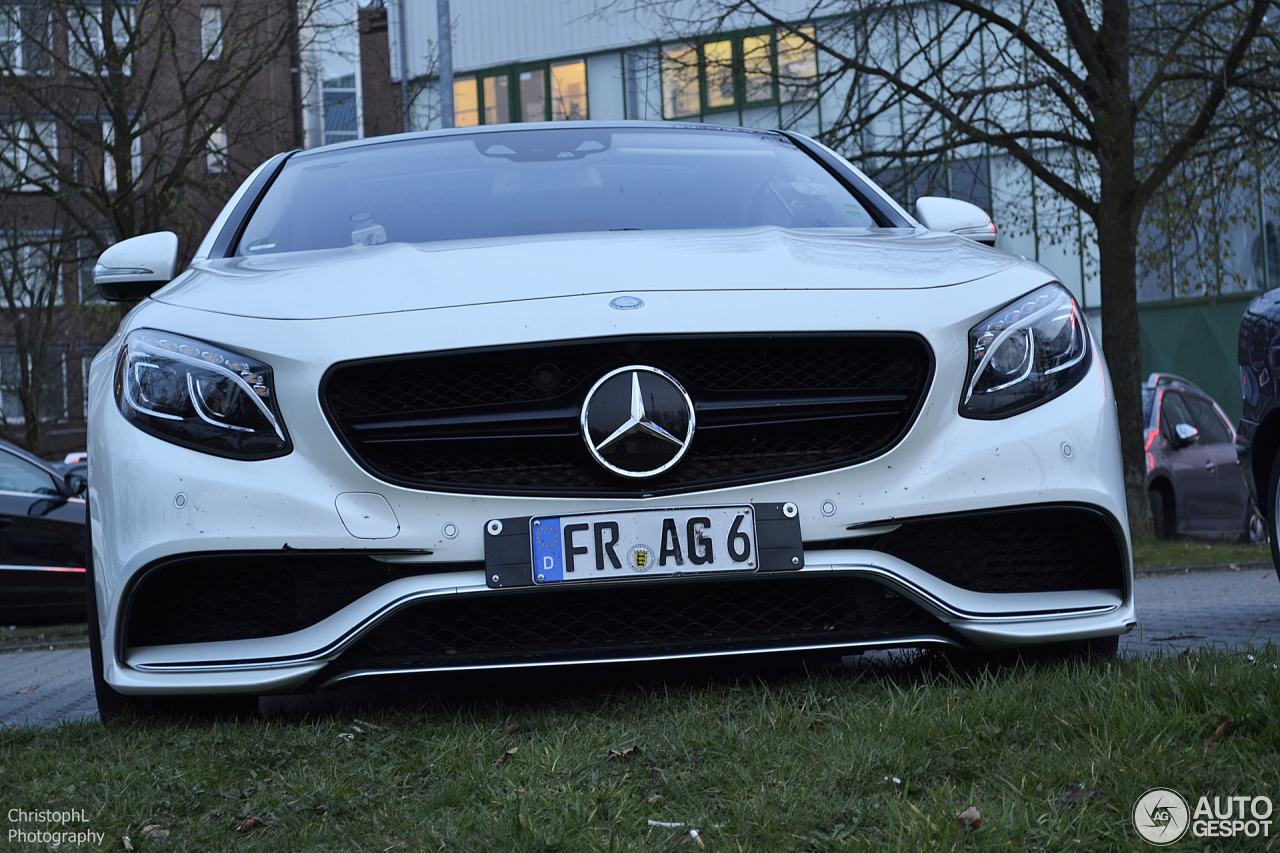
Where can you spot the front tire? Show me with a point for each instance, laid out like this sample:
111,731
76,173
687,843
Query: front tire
1163,522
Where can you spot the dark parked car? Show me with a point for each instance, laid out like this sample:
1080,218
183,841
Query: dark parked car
42,516
1193,475
1258,438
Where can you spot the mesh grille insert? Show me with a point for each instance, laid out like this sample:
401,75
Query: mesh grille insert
505,421
644,618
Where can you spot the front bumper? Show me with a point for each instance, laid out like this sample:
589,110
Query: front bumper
152,501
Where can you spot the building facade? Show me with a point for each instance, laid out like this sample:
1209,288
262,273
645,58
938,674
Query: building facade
117,118
516,61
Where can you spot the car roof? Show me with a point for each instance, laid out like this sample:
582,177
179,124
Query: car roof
1172,382
26,456
533,126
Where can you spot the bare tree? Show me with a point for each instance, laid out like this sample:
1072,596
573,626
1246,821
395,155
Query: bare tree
121,118
1119,107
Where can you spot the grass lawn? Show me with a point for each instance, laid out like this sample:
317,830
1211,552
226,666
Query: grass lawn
1179,553
16,637
1053,756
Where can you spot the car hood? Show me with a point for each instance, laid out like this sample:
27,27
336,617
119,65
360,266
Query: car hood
400,277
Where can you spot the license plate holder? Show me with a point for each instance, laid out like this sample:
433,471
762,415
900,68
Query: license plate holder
513,552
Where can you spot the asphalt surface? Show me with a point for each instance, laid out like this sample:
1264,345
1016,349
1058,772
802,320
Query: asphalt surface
1176,611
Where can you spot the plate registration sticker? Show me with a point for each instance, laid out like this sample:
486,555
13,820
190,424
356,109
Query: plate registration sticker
643,543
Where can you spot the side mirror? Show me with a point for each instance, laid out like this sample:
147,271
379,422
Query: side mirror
134,269
957,217
76,484
1185,434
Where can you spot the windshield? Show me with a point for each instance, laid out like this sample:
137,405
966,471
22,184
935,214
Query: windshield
546,181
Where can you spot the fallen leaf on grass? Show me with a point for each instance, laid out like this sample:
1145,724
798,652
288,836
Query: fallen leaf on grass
32,689
506,756
1076,795
969,819
249,823
623,753
655,799
513,728
1223,721
817,725
154,830
524,824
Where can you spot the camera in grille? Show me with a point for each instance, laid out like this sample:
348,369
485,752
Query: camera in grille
506,420
647,618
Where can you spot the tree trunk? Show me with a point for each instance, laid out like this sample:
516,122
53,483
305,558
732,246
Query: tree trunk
1121,343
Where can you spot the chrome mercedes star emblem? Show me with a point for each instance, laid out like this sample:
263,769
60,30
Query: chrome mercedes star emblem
637,421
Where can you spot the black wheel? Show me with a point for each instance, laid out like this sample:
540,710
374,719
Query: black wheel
1273,494
112,704
1163,522
1255,528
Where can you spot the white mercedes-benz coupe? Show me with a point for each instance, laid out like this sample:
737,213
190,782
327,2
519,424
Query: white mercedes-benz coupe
584,394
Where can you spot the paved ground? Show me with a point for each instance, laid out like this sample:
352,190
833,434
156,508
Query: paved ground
1224,608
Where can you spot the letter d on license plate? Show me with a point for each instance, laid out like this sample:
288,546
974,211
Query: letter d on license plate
643,543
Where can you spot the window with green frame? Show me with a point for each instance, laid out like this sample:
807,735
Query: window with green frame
739,71
545,91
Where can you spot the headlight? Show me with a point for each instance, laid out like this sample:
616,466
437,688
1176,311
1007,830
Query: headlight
1025,354
200,396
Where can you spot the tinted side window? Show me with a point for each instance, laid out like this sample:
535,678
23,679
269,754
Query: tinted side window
1212,428
19,475
1173,411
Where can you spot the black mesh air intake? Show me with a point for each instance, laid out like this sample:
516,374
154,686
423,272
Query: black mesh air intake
639,619
231,596
1044,549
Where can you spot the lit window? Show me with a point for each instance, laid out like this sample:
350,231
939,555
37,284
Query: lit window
738,71
211,31
533,95
757,64
569,91
681,91
797,66
24,37
497,100
216,159
466,103
718,56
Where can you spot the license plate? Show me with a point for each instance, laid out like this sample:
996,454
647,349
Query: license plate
643,543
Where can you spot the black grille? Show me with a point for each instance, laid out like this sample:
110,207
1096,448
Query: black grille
232,596
1047,549
506,421
645,618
